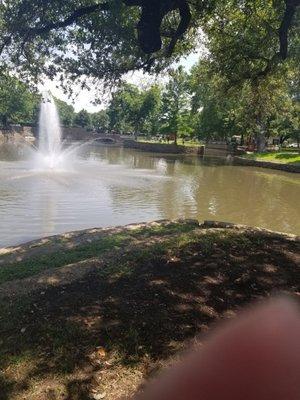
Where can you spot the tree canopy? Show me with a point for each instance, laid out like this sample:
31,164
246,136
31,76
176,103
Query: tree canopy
244,83
105,39
18,104
198,104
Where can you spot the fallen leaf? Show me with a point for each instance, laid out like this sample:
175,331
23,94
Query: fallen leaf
99,396
101,352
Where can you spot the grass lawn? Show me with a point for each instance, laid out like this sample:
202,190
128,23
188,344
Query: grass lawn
277,157
189,143
103,333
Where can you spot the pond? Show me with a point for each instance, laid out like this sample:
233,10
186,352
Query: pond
109,186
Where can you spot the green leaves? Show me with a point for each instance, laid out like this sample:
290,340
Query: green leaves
101,44
83,119
18,104
176,103
66,112
100,120
133,110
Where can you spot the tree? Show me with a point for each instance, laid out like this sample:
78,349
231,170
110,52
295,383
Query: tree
100,120
83,119
134,110
78,40
95,39
210,104
150,111
66,112
241,85
124,109
17,103
176,103
258,109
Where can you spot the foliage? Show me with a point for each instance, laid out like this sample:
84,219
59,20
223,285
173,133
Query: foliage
82,119
124,107
259,108
100,120
150,110
17,103
242,85
98,44
104,40
133,110
176,103
66,112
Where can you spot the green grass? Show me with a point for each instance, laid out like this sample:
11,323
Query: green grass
176,245
36,264
189,143
276,157
63,337
169,238
176,238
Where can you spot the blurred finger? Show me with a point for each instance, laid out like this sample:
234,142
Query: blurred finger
257,356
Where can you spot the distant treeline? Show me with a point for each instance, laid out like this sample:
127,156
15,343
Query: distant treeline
200,104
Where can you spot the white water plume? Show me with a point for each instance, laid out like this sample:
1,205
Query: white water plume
49,127
50,154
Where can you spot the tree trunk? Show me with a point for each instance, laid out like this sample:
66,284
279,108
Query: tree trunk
261,142
175,138
260,136
4,121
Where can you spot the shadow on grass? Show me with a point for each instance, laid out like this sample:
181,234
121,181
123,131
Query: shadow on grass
286,155
56,257
147,305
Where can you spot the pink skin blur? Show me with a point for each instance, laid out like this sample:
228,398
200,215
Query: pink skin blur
256,356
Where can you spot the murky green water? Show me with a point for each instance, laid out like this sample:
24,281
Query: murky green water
114,186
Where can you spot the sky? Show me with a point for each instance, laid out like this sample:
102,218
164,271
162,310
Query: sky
84,99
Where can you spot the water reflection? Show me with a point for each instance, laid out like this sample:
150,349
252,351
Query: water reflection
115,186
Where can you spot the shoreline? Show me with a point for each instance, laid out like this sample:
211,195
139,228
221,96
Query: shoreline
90,234
201,152
242,161
164,148
51,260
172,149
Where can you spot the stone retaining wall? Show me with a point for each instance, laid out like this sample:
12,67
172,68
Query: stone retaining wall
16,134
266,164
217,149
11,137
163,147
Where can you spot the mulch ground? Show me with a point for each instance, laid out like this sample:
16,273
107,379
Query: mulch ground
103,335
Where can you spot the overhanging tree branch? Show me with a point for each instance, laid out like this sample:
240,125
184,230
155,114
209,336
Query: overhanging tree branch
290,10
149,26
185,15
153,13
80,12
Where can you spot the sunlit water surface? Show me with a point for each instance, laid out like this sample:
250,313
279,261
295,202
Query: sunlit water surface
109,186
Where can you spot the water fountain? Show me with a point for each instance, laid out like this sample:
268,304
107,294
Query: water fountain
50,145
49,154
